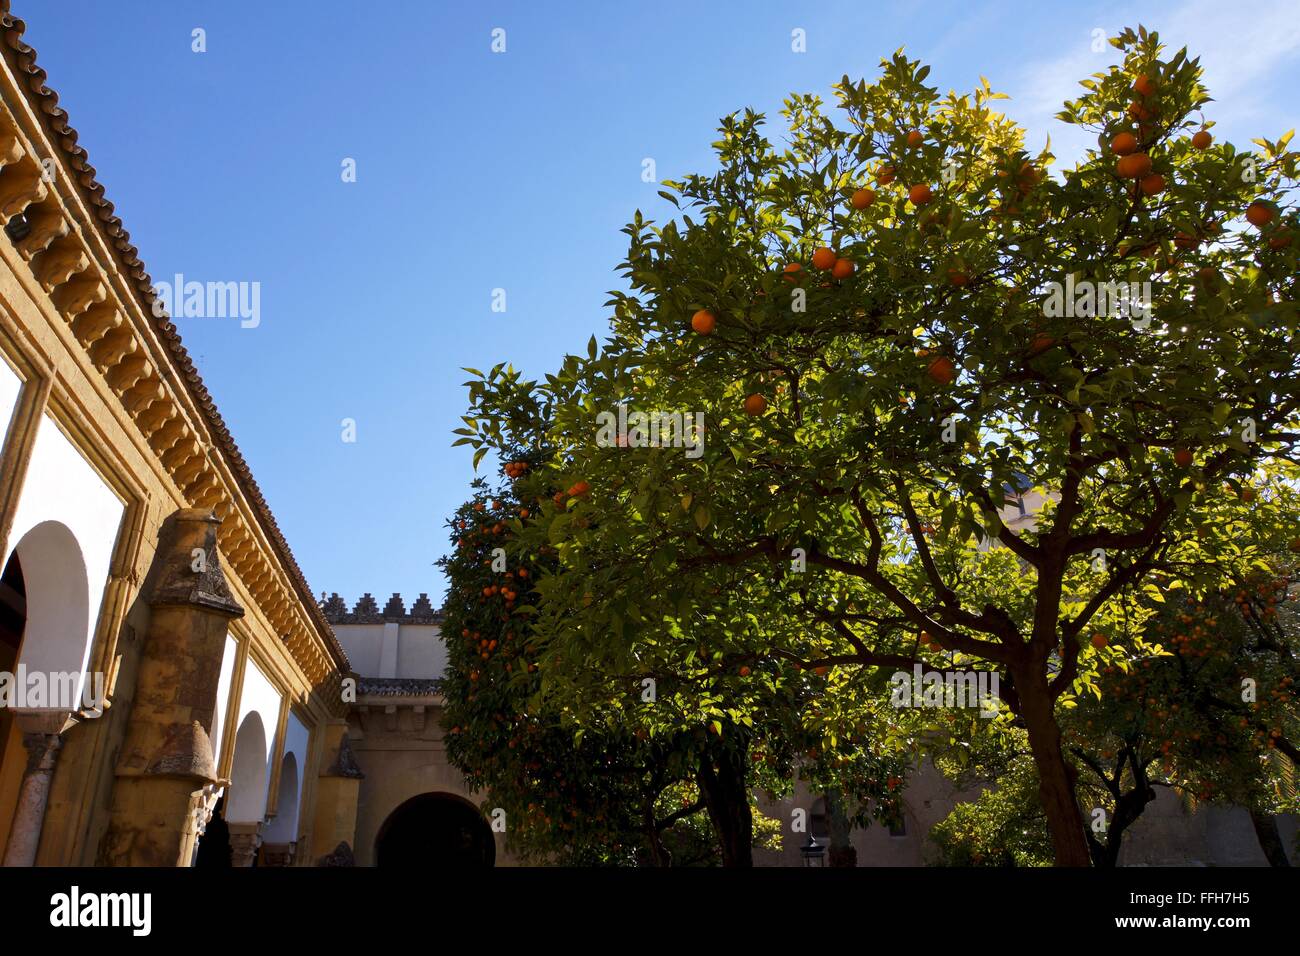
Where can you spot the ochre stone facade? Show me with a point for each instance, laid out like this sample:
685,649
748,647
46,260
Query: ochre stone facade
137,551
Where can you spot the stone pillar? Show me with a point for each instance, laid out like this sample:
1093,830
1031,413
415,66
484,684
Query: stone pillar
245,839
337,790
166,770
279,854
43,740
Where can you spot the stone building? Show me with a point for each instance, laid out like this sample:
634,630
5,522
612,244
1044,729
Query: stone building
160,652
413,804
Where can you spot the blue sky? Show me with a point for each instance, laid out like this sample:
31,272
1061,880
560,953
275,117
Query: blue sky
478,171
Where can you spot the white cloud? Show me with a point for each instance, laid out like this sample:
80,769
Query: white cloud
1242,48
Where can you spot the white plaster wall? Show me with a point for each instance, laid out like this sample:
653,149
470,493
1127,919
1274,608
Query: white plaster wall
229,653
10,386
295,742
60,485
421,652
362,642
261,698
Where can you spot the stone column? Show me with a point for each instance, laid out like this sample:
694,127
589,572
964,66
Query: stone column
166,769
279,854
245,839
43,740
337,790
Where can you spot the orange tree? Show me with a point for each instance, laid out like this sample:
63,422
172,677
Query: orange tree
608,798
617,768
887,324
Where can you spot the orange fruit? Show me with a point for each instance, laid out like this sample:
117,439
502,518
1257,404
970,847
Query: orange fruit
942,370
1099,641
885,176
1295,545
1041,343
744,671
1182,457
1202,139
915,138
1248,495
704,322
579,489
1144,85
1134,166
1153,184
1140,112
821,671
791,270
920,194
957,277
842,269
1281,240
1123,144
862,198
1259,214
823,258
755,405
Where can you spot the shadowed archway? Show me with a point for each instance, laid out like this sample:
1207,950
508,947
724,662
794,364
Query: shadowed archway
438,830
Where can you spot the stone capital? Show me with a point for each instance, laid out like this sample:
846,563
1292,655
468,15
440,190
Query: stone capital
189,571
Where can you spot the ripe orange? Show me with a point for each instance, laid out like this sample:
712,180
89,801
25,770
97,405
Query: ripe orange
823,258
1134,166
1182,458
885,176
704,322
1041,343
1202,139
821,671
1144,85
1099,641
1295,545
1281,240
1123,144
920,194
862,198
1248,495
1140,112
755,405
1259,214
915,138
842,269
942,370
744,671
1153,184
579,489
791,271
957,277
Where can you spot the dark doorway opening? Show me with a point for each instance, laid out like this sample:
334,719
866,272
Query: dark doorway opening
435,830
214,845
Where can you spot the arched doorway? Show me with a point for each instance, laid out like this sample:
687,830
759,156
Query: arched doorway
435,831
13,620
247,802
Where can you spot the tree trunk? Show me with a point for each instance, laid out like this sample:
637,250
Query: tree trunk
841,852
1127,810
1055,777
722,782
1270,841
